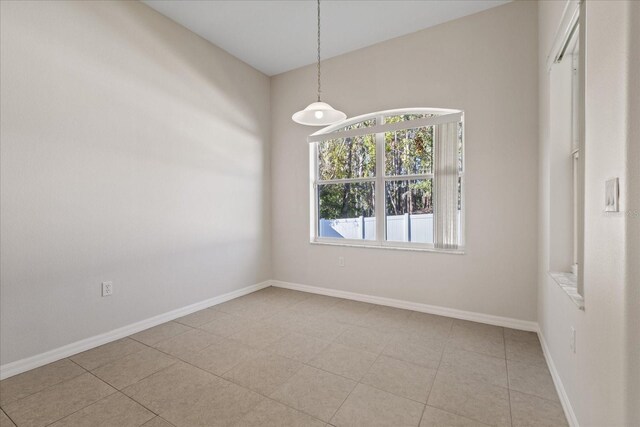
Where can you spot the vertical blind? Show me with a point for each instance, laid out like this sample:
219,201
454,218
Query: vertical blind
446,186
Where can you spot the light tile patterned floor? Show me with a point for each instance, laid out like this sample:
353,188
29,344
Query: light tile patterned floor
285,358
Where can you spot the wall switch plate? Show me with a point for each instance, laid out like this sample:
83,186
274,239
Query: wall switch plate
611,194
572,339
340,261
107,289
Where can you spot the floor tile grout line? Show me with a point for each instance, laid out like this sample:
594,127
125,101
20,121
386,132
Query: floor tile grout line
49,386
358,382
510,389
265,395
7,415
160,370
464,416
123,357
506,365
271,315
99,400
114,360
281,403
388,392
268,396
391,393
433,383
176,360
305,364
341,404
157,416
86,406
286,404
381,354
116,390
222,378
227,379
556,401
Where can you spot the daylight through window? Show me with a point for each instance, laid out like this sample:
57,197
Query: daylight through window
390,179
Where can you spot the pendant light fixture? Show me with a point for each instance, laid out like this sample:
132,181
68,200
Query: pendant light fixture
318,113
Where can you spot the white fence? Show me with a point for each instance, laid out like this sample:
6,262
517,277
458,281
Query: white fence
400,228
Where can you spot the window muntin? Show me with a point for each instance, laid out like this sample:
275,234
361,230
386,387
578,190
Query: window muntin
405,157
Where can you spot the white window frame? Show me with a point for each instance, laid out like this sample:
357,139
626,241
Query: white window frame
574,19
334,132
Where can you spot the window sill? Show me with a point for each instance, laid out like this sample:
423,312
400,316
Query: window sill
569,284
394,247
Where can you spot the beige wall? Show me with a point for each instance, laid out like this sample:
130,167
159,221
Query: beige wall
484,64
601,378
632,291
132,151
122,132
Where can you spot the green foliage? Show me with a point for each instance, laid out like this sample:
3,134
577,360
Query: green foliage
347,158
412,197
346,200
407,152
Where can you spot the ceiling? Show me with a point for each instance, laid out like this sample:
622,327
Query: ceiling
275,36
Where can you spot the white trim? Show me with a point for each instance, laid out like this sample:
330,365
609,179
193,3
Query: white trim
10,369
380,186
380,179
382,114
346,180
569,19
413,177
562,394
313,191
387,244
524,325
326,134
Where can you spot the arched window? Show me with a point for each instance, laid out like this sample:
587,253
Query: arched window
404,167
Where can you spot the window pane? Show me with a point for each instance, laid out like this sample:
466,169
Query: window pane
359,125
346,211
409,151
345,158
405,117
409,210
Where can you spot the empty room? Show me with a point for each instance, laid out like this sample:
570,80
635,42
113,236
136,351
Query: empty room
320,213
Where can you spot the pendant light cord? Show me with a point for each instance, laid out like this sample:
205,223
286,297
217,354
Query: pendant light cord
318,50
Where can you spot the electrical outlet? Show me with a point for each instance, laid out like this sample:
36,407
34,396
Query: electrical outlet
340,261
572,339
107,289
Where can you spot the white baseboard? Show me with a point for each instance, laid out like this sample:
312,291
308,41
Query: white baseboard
10,369
508,322
562,393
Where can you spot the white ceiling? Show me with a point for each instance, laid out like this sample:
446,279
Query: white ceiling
275,36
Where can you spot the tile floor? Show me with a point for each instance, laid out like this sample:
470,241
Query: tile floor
285,358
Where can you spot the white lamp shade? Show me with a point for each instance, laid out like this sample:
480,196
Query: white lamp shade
318,114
